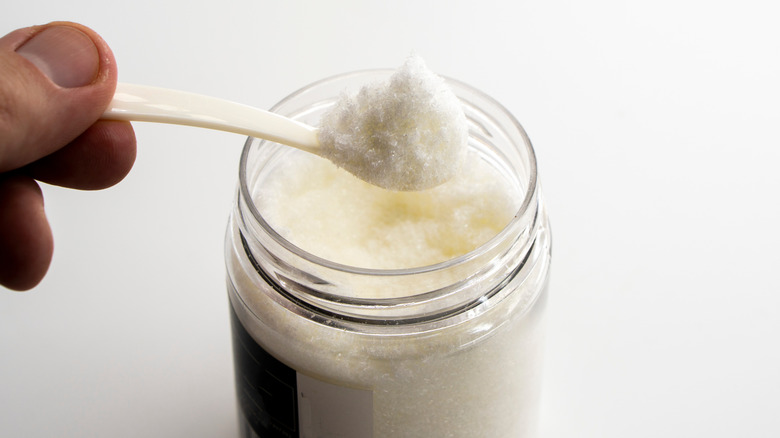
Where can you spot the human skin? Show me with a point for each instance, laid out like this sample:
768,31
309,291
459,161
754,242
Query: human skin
55,82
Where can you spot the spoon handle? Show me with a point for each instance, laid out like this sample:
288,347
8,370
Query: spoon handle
142,103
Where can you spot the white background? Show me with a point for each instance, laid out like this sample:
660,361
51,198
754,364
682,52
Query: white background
656,127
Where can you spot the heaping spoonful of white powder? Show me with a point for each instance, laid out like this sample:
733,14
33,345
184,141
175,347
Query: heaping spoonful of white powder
408,133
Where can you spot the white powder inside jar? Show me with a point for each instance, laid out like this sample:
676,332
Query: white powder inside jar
331,214
408,133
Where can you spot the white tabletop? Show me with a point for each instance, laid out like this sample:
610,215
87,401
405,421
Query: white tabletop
656,128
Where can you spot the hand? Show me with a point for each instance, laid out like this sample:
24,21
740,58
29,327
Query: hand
55,82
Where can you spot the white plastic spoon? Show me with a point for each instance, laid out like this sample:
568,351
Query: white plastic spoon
142,103
420,143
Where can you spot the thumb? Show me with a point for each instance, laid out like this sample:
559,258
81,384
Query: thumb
55,82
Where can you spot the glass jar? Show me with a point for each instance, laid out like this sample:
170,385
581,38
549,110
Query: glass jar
452,349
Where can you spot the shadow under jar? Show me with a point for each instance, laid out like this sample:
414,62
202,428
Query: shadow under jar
452,349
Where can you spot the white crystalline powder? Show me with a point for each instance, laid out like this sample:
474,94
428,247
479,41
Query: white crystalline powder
409,133
330,213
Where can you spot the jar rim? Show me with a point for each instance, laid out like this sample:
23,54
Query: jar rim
530,190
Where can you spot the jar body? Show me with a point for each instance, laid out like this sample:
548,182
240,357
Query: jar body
457,353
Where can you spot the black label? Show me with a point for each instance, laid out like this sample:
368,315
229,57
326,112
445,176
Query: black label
266,388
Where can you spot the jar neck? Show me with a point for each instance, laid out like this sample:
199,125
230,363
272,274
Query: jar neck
415,295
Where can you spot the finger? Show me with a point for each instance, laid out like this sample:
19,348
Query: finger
55,81
98,158
26,242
